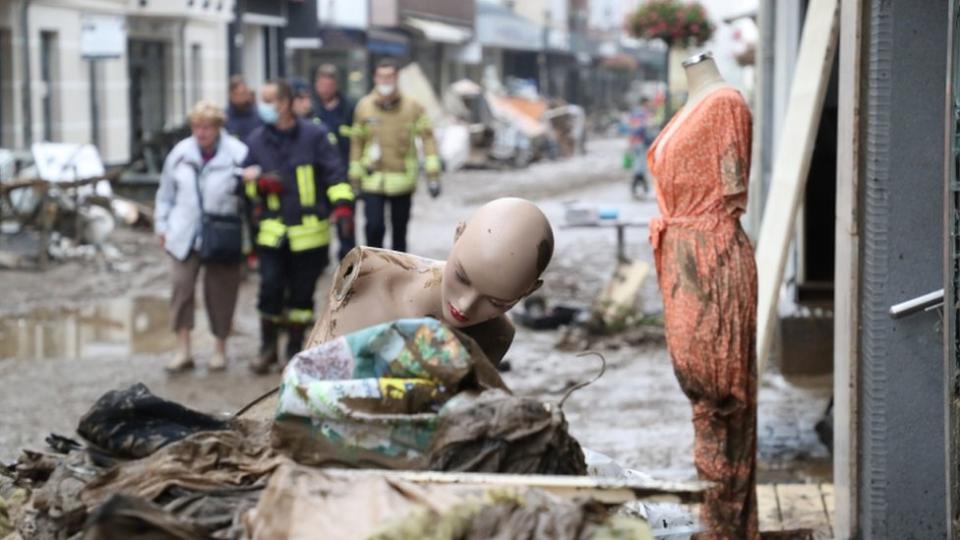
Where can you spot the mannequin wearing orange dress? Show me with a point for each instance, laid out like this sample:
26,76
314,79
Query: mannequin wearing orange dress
707,275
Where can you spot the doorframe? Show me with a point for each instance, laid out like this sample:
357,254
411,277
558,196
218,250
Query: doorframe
951,273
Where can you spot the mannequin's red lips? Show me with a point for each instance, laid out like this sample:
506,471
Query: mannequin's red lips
457,316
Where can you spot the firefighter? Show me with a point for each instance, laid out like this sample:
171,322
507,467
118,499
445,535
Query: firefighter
335,111
383,155
296,179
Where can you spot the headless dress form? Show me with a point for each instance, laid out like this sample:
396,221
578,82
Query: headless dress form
707,275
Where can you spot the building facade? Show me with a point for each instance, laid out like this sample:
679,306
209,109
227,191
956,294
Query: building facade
173,53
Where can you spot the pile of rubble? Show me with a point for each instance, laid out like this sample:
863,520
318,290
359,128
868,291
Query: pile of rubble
492,125
58,203
401,431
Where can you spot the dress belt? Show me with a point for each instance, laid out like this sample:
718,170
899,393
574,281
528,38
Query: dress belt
707,222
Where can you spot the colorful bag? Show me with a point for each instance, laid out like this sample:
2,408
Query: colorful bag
373,396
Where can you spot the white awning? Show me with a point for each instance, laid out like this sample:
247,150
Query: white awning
440,32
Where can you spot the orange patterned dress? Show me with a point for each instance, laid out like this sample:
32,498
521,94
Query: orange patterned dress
708,278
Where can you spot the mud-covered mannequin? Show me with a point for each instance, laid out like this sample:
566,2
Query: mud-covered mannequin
706,269
497,258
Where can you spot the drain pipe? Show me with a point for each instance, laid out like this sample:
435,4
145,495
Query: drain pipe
26,88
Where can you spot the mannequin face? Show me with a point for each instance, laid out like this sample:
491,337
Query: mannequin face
494,263
471,293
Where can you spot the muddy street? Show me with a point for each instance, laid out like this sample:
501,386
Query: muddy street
79,330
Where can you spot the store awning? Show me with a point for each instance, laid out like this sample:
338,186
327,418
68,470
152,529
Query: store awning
500,27
440,32
387,42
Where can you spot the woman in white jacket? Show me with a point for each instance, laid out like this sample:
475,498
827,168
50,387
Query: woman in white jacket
205,161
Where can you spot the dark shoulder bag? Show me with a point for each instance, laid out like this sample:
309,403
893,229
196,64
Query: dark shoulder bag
221,235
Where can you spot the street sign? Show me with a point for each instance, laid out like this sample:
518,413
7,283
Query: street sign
103,36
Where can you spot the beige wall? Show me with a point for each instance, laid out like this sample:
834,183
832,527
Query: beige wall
72,86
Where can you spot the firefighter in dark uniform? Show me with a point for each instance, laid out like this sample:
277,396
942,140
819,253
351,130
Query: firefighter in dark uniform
335,111
295,177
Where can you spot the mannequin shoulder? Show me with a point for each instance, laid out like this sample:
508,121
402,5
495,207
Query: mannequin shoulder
365,267
729,96
347,275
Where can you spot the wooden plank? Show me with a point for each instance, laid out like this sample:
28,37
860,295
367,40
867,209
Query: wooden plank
792,161
610,491
801,506
827,494
768,509
846,277
618,299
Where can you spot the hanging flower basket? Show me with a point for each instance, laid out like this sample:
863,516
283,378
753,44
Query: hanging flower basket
674,22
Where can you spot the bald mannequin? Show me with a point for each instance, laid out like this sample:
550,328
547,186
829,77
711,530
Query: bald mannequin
497,258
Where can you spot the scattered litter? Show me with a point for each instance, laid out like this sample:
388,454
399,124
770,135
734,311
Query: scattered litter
537,315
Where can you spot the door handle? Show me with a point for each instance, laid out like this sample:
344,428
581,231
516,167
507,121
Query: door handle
926,302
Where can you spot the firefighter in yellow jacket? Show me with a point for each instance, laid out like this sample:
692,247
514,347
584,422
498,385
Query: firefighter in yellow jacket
384,159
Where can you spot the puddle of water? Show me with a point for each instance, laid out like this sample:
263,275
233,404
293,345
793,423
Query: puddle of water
119,327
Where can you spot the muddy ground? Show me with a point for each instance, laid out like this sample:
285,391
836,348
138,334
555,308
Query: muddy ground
80,329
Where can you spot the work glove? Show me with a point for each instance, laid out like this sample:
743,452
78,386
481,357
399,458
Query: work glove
269,183
433,185
342,218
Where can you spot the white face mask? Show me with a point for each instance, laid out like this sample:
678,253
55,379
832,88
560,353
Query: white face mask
385,89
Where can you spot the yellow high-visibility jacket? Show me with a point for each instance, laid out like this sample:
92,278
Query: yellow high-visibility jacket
383,156
309,167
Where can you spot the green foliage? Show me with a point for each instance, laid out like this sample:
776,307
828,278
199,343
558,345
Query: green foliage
674,22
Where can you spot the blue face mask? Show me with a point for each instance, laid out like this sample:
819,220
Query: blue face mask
268,113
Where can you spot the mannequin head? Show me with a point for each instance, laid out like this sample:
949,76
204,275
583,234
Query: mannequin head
497,258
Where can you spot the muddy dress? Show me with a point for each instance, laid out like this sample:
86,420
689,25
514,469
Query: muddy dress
707,275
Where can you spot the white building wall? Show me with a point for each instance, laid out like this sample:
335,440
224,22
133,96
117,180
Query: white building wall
211,37
254,58
343,13
193,25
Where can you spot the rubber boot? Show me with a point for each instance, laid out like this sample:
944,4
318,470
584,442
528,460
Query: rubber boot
295,334
267,356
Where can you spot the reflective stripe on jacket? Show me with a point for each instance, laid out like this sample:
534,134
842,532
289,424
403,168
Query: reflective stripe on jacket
313,182
383,156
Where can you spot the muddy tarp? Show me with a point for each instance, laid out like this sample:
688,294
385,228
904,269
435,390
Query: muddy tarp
299,502
499,432
202,484
133,518
188,515
53,508
134,423
206,461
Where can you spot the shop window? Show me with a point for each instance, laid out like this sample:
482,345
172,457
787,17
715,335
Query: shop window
49,75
